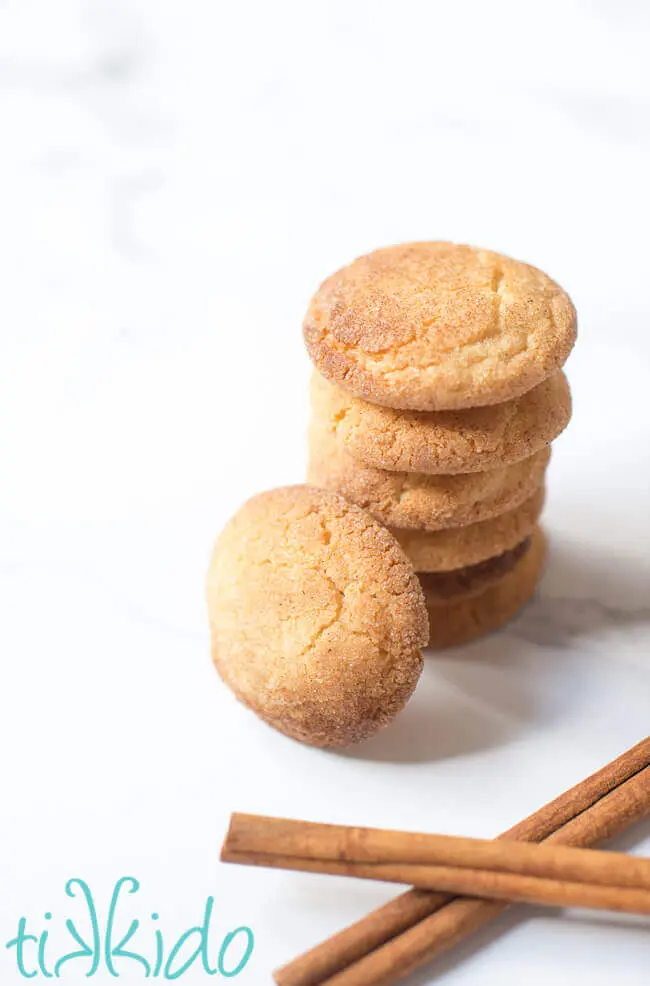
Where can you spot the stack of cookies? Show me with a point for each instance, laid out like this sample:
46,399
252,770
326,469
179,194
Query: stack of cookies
438,390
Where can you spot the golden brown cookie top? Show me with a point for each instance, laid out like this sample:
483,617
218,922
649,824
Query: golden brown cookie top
316,615
435,326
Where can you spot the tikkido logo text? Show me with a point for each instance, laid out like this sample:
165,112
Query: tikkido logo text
123,946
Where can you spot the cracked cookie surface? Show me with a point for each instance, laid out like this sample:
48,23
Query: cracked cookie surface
316,616
459,547
416,500
469,440
438,326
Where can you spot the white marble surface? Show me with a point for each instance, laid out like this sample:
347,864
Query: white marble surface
175,179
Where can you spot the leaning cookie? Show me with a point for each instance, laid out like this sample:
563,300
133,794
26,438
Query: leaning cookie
316,616
416,500
469,440
438,326
459,547
460,621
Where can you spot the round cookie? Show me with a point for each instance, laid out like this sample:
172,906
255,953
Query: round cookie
438,326
420,501
447,442
459,547
316,616
462,583
463,620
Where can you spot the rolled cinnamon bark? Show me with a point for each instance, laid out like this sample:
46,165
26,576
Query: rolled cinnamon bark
487,884
382,854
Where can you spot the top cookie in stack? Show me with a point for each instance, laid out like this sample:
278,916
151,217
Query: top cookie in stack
438,391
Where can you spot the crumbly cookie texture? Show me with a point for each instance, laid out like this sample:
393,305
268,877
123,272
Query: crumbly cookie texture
438,326
416,500
470,440
458,547
462,583
316,616
460,621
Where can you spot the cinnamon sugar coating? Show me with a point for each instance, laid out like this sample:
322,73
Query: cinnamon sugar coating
438,326
417,500
458,547
469,440
316,616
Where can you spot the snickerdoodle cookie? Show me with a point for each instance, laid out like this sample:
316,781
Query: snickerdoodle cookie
316,616
458,547
416,500
459,621
462,583
438,326
469,440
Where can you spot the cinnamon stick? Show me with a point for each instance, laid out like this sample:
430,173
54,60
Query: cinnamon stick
413,928
487,884
425,860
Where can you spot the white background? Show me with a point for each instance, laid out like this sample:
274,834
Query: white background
175,181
